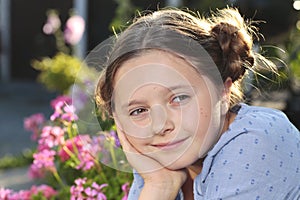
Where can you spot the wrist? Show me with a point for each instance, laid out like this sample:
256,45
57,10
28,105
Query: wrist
164,191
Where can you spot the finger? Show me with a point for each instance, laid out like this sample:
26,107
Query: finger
142,163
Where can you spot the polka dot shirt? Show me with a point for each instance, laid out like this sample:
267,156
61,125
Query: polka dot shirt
257,158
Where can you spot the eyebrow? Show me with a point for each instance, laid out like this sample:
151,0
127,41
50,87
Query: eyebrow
130,103
175,87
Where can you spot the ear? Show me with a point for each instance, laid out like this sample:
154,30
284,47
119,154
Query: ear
227,87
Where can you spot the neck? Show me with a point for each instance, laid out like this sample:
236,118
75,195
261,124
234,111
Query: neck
192,171
229,118
195,168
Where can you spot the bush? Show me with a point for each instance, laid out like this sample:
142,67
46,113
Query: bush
73,165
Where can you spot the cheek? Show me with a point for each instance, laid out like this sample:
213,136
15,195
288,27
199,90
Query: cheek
139,143
135,128
196,118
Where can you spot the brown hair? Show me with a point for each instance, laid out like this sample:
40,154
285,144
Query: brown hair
225,36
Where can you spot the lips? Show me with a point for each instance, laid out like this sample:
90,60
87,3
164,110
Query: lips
169,145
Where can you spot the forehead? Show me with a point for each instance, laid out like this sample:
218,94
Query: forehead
155,66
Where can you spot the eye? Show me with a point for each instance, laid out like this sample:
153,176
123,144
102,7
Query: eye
138,111
180,98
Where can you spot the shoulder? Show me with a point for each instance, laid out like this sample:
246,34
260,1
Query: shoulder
258,129
260,153
267,124
258,118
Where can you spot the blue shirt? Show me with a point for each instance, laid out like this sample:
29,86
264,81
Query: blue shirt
257,158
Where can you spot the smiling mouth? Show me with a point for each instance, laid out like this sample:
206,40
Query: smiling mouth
169,145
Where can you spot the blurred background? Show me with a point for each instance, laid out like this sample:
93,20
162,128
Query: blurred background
27,38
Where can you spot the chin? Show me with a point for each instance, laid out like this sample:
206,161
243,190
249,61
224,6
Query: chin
181,163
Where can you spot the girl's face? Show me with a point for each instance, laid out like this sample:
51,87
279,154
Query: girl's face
167,110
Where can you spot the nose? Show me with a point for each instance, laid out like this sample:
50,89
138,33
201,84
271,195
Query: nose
161,121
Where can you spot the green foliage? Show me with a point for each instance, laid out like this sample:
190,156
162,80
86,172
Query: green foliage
40,196
124,13
267,81
104,120
61,72
16,161
58,73
204,5
63,194
115,183
295,66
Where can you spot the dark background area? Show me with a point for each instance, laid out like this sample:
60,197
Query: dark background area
27,39
27,18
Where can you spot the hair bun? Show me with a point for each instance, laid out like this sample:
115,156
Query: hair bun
236,44
224,33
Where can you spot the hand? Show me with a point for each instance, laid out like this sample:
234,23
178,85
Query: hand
158,180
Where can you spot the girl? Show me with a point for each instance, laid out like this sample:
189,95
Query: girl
172,84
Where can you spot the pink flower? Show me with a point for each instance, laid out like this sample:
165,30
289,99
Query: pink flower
36,172
80,191
125,189
46,190
33,123
63,109
44,159
62,100
77,189
69,114
100,195
69,146
51,137
95,192
74,29
88,153
52,25
87,160
5,193
20,195
85,151
90,192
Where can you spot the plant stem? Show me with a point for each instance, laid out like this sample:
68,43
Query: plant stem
57,177
100,170
71,154
70,135
113,156
60,43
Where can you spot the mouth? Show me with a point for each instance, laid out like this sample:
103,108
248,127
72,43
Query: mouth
169,145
